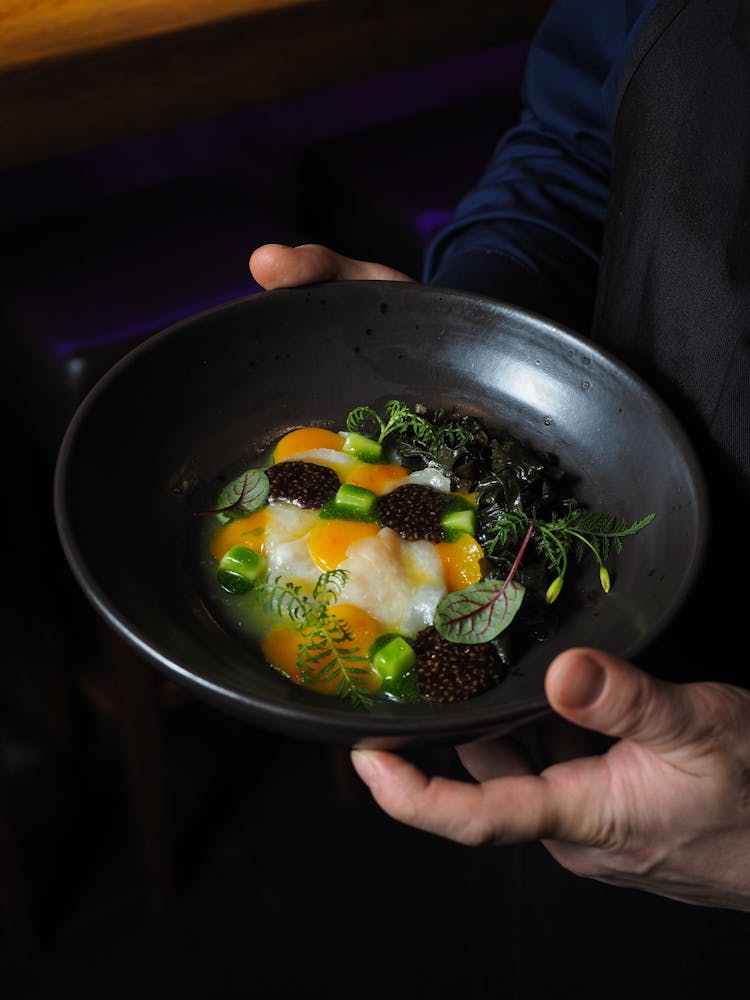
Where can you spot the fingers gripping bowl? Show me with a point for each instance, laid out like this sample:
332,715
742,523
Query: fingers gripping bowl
180,415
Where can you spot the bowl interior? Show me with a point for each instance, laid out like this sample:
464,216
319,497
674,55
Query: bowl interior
202,400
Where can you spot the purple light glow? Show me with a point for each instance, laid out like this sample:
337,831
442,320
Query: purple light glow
430,220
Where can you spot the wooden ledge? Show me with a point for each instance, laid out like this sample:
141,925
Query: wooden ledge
34,32
80,73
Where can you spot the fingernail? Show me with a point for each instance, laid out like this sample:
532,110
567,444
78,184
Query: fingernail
583,684
366,767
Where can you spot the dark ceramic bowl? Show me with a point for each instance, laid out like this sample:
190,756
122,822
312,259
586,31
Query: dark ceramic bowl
201,400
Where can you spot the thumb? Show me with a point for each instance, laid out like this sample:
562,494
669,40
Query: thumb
276,266
601,692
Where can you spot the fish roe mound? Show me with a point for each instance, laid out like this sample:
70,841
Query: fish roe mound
453,671
414,511
304,484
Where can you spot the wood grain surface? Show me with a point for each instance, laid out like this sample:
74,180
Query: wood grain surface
79,73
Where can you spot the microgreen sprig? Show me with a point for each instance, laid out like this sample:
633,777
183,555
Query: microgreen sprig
572,534
420,438
399,417
242,496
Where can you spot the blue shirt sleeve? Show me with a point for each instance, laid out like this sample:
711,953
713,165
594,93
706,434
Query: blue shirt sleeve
531,231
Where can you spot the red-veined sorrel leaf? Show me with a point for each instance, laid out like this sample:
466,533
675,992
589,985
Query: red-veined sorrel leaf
245,494
479,612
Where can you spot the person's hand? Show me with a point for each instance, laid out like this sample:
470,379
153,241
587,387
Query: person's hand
666,809
277,266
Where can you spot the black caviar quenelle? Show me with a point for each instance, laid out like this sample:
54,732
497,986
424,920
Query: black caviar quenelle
304,484
414,511
451,671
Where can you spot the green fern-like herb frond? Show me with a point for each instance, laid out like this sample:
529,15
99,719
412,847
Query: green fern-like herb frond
323,654
364,420
283,599
328,587
322,648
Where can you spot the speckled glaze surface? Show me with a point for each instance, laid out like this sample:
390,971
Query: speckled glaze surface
203,399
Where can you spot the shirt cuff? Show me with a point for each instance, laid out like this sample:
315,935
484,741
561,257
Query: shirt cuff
565,297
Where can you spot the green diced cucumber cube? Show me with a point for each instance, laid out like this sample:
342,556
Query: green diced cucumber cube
395,661
459,522
394,657
363,448
352,503
239,569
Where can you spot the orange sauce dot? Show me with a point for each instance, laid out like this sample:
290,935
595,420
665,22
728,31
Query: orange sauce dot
462,562
330,538
282,643
306,439
249,531
376,477
280,647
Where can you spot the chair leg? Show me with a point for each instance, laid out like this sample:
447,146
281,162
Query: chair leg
15,906
138,708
